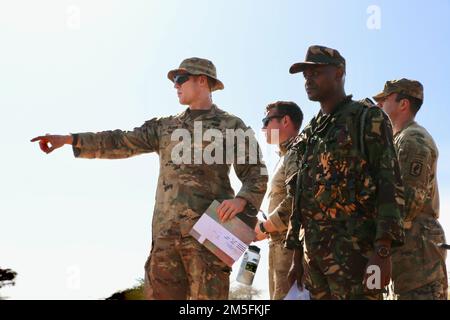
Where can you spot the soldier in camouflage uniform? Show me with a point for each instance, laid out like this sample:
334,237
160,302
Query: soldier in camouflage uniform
419,270
281,125
178,266
343,174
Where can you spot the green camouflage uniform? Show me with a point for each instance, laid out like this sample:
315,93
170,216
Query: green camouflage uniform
280,257
419,270
343,174
345,199
178,266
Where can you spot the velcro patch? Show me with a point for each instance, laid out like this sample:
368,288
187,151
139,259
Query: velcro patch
416,168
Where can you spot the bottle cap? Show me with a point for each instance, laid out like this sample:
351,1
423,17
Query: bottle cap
254,248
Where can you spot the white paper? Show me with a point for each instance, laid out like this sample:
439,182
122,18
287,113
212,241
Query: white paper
210,229
296,294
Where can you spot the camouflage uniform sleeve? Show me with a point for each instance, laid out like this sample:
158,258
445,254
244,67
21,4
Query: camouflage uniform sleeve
294,225
281,214
384,168
415,161
118,144
252,172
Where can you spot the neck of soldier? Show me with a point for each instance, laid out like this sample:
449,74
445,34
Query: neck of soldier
328,104
202,102
283,140
400,122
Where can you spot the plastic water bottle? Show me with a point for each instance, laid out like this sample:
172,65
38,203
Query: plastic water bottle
249,265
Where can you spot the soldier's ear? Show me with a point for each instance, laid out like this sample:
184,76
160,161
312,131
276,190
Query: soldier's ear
404,105
340,73
203,80
286,119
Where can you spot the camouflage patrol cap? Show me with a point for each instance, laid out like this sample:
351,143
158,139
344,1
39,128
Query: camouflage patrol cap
198,66
407,87
319,55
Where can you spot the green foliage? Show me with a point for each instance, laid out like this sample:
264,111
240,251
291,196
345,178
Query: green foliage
243,292
7,277
134,293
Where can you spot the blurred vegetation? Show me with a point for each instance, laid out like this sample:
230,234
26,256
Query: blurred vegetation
243,292
239,292
7,278
134,293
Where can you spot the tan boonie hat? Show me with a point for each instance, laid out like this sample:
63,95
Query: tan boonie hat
319,55
407,87
196,67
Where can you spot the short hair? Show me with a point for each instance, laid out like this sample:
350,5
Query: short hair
288,108
211,83
414,103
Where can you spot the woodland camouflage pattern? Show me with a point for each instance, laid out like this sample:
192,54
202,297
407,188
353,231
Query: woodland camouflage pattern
345,200
319,55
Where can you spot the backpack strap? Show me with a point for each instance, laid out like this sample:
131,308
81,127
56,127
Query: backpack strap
367,103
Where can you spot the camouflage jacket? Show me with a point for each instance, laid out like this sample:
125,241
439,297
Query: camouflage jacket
184,190
279,205
341,191
419,261
418,155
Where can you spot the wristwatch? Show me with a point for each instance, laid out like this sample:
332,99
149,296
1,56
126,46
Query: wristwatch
261,227
383,251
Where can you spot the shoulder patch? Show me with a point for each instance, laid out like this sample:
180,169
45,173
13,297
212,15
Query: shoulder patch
416,168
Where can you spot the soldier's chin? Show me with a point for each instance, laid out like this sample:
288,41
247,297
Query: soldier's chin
313,97
182,101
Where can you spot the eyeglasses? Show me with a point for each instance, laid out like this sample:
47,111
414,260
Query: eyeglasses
266,120
181,78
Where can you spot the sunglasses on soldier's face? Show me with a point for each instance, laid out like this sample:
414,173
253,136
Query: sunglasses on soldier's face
181,78
266,120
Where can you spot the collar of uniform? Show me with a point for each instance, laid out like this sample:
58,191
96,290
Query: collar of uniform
322,116
284,146
338,108
186,114
321,120
410,123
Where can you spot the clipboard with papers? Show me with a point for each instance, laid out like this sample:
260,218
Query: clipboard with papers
228,240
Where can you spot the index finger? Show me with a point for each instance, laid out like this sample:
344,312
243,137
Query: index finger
37,138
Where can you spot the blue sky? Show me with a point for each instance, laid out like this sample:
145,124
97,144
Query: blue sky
80,229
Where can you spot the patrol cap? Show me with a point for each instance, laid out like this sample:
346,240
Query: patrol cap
319,55
407,87
198,66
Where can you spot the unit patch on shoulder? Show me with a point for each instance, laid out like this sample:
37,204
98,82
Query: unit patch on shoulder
416,168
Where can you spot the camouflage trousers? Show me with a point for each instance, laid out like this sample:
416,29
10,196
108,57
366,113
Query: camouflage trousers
337,275
280,261
182,268
419,261
436,290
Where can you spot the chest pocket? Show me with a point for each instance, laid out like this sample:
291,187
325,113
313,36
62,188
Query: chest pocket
170,140
335,176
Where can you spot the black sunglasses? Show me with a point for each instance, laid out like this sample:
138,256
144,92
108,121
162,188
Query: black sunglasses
266,120
181,78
